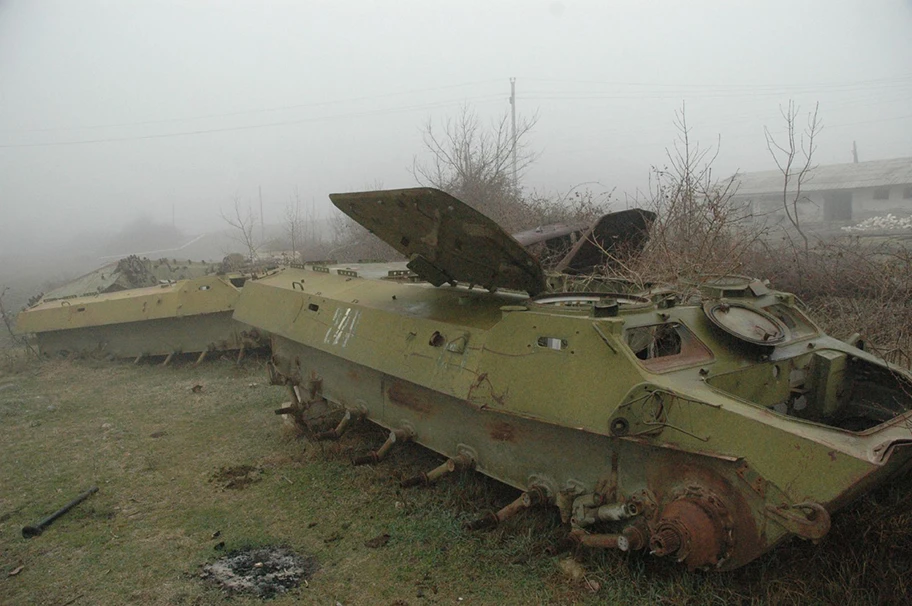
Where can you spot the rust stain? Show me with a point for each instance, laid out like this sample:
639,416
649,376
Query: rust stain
502,432
481,380
408,396
671,475
353,375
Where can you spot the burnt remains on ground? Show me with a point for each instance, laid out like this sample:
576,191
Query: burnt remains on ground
264,572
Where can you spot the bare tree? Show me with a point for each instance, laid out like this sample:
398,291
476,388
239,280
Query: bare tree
794,159
474,162
8,321
243,222
294,224
699,230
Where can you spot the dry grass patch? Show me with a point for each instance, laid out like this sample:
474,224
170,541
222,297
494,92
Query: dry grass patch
154,446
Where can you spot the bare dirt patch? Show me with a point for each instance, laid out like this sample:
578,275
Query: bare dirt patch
264,572
238,477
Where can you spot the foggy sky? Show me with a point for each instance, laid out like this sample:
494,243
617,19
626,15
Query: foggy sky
114,109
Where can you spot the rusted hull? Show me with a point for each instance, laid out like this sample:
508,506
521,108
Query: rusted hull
556,404
704,426
717,496
162,337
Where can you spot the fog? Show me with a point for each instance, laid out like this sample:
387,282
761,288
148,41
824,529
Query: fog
115,110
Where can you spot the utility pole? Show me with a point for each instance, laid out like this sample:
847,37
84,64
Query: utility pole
854,153
262,225
513,112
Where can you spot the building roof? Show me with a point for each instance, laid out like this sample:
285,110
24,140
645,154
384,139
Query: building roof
875,173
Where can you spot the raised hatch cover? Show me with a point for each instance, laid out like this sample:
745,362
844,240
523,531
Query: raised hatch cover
746,322
614,236
444,239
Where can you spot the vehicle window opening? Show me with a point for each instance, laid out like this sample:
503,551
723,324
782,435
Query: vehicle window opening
237,282
663,347
552,343
649,342
313,307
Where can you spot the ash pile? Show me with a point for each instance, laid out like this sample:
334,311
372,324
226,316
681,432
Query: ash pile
264,572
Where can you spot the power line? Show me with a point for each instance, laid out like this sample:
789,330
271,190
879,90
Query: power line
900,78
708,89
706,94
207,131
250,111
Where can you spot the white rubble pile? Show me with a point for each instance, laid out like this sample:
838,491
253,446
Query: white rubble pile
888,222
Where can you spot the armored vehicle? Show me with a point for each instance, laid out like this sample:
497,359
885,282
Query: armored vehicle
187,316
705,429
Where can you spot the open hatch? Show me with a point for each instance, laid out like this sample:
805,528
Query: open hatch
447,241
614,237
444,239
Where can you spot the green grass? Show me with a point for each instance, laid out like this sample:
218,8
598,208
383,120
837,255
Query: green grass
155,449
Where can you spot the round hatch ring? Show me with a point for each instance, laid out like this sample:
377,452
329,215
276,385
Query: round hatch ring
746,322
588,299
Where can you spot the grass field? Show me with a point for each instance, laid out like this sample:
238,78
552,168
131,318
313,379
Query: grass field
176,465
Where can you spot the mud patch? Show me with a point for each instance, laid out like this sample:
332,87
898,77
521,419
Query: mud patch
264,572
503,432
237,478
410,396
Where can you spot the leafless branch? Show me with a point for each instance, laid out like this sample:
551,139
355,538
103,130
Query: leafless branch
474,162
243,222
9,322
794,159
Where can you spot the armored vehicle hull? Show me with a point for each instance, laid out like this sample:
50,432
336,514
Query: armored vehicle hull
707,429
188,316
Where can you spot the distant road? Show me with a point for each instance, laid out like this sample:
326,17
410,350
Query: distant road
155,252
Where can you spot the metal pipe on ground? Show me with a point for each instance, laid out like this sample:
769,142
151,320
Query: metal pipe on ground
33,531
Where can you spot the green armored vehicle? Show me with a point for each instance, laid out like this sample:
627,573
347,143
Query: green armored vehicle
186,316
706,430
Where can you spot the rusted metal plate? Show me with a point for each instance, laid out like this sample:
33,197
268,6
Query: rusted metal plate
444,239
543,233
614,236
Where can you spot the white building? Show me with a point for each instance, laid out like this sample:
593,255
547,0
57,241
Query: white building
831,195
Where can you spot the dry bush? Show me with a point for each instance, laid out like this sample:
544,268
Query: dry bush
9,339
582,204
699,231
351,243
849,285
477,163
474,163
